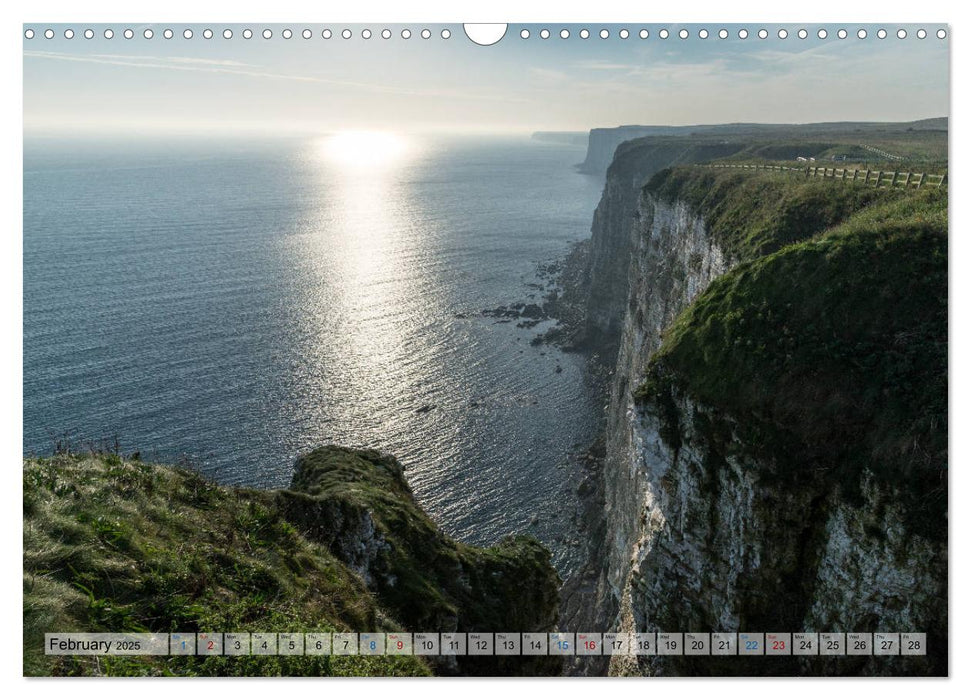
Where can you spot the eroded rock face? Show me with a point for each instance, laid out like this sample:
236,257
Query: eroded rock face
358,503
707,534
347,530
724,542
672,261
617,220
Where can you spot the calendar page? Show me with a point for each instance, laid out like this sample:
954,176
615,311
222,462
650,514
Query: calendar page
527,349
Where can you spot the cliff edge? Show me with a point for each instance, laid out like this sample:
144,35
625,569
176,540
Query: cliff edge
776,440
114,544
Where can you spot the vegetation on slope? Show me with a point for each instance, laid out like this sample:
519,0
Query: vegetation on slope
754,214
114,545
429,580
830,352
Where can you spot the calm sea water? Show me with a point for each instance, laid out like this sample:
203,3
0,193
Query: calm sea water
237,304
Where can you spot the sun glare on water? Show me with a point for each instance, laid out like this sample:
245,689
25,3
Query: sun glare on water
365,150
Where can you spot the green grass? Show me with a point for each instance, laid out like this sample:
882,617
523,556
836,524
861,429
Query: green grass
118,545
429,580
753,214
830,352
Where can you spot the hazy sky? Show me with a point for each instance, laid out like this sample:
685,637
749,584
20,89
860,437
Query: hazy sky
317,85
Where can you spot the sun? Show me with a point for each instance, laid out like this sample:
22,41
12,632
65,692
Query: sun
365,150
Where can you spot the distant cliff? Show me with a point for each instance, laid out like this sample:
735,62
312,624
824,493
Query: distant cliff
571,138
114,545
610,243
776,439
602,143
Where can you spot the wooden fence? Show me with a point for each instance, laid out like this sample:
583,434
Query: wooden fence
877,178
754,166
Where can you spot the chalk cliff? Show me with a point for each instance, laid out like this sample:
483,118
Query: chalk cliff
776,432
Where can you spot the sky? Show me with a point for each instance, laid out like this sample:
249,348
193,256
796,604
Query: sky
306,86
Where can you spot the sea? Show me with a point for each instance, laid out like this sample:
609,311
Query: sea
228,304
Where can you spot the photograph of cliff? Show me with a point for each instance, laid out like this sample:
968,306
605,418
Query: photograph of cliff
614,330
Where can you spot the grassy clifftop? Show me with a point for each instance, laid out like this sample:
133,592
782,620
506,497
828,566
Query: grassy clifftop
753,214
431,581
119,545
830,350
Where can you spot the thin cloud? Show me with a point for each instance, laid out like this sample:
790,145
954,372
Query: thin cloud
548,73
604,65
173,59
205,66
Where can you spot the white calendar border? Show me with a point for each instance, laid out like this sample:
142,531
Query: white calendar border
94,11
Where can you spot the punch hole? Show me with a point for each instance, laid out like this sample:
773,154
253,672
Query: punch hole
584,33
901,33
802,33
702,33
148,34
327,34
941,34
49,34
743,33
247,33
385,33
227,33
129,33
544,34
366,34
881,34
187,34
306,34
405,33
643,34
822,34
664,34
168,34
426,34
68,33
346,34
783,33
29,34
524,34
207,34
483,34
842,33
722,33
446,33
564,33
287,34
604,34
763,34
921,33
623,34
861,34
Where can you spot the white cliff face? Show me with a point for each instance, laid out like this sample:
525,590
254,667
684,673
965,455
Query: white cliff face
671,262
873,568
706,535
602,143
